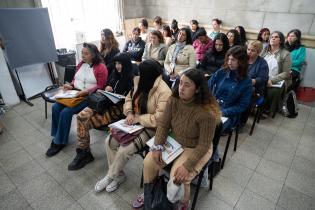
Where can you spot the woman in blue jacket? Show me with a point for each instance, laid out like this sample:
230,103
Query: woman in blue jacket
297,52
232,88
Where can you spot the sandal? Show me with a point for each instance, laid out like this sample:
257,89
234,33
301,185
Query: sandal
139,202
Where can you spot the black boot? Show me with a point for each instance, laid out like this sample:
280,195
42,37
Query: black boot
54,149
83,157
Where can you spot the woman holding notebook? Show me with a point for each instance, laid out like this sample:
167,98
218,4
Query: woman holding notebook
91,74
120,82
191,114
144,105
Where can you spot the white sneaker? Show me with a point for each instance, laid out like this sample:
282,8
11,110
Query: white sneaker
116,182
103,183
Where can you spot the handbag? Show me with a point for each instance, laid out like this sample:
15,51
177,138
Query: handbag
122,137
155,197
99,102
70,102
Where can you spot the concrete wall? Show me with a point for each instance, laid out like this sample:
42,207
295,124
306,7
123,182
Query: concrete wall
20,3
280,15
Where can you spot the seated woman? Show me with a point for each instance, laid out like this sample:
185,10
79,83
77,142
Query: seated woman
276,51
216,25
155,49
174,29
232,87
202,44
144,104
234,37
242,33
167,34
258,70
157,22
135,46
91,75
120,82
194,130
263,36
181,55
214,58
143,25
109,48
297,51
194,28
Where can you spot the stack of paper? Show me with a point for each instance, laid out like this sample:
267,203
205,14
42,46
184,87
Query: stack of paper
114,97
121,125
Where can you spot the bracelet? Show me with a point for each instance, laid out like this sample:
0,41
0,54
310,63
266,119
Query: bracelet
156,148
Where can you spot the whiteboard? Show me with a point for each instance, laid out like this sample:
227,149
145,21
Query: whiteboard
34,79
7,89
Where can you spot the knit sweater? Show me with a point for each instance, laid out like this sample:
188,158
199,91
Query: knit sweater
191,125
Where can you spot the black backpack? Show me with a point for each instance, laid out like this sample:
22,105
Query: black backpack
290,102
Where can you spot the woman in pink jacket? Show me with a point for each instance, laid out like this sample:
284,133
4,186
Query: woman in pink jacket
202,44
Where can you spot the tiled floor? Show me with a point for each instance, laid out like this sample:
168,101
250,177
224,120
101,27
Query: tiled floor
273,169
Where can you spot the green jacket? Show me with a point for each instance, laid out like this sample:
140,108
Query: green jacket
298,58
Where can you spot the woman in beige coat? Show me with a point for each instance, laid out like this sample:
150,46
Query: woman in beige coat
144,104
181,55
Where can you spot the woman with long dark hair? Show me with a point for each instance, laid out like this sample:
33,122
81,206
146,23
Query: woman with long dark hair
181,55
91,74
232,89
194,27
242,33
144,104
167,34
298,53
234,37
214,58
119,82
191,114
263,36
109,47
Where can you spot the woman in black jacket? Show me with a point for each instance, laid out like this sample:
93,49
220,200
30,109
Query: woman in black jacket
214,58
120,82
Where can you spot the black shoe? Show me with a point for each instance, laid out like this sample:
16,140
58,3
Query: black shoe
54,149
83,157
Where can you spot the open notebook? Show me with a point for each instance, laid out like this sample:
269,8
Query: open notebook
172,149
114,97
120,125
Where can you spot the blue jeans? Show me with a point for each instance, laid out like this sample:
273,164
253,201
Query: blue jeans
61,121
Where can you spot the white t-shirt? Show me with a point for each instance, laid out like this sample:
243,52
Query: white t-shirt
84,78
272,64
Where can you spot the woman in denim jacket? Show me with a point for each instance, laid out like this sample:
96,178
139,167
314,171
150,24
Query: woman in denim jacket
232,88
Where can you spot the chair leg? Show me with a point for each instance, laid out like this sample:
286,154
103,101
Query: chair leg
254,122
260,108
45,109
141,183
236,138
226,148
211,169
197,189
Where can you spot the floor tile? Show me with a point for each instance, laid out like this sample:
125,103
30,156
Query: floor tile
294,200
250,200
266,187
13,200
273,170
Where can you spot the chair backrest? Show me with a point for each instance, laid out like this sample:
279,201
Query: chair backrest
69,73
